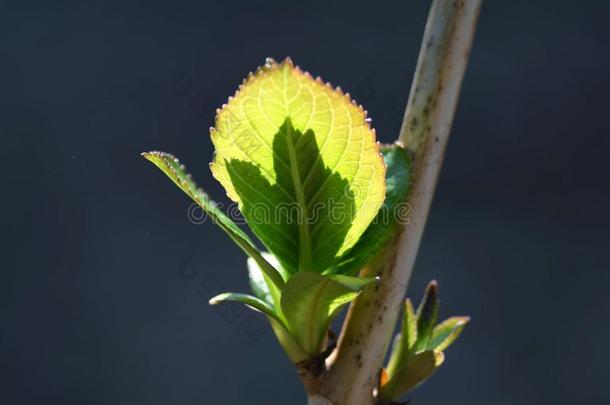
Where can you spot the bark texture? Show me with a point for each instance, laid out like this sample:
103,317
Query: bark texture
352,373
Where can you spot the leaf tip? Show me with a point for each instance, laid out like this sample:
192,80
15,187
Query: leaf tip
150,154
155,155
432,288
463,320
216,299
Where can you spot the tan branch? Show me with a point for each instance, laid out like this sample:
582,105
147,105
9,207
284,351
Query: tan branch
353,370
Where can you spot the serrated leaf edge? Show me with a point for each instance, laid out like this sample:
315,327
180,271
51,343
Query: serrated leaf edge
270,66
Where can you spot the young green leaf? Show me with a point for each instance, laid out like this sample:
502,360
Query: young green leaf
410,374
310,301
302,162
252,302
445,333
417,350
172,167
405,341
393,212
427,315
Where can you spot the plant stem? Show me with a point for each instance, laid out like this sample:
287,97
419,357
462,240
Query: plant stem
353,369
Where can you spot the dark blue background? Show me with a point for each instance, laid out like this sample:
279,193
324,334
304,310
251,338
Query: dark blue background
105,282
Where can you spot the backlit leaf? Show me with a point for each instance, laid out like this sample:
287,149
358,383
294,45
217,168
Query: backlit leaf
303,164
392,214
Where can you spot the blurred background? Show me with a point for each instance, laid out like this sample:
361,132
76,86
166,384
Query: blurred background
105,281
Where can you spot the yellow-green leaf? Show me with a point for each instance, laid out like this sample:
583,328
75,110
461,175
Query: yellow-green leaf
392,213
302,162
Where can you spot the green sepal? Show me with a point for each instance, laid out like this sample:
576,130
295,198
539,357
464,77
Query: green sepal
392,213
310,301
172,167
295,352
307,305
